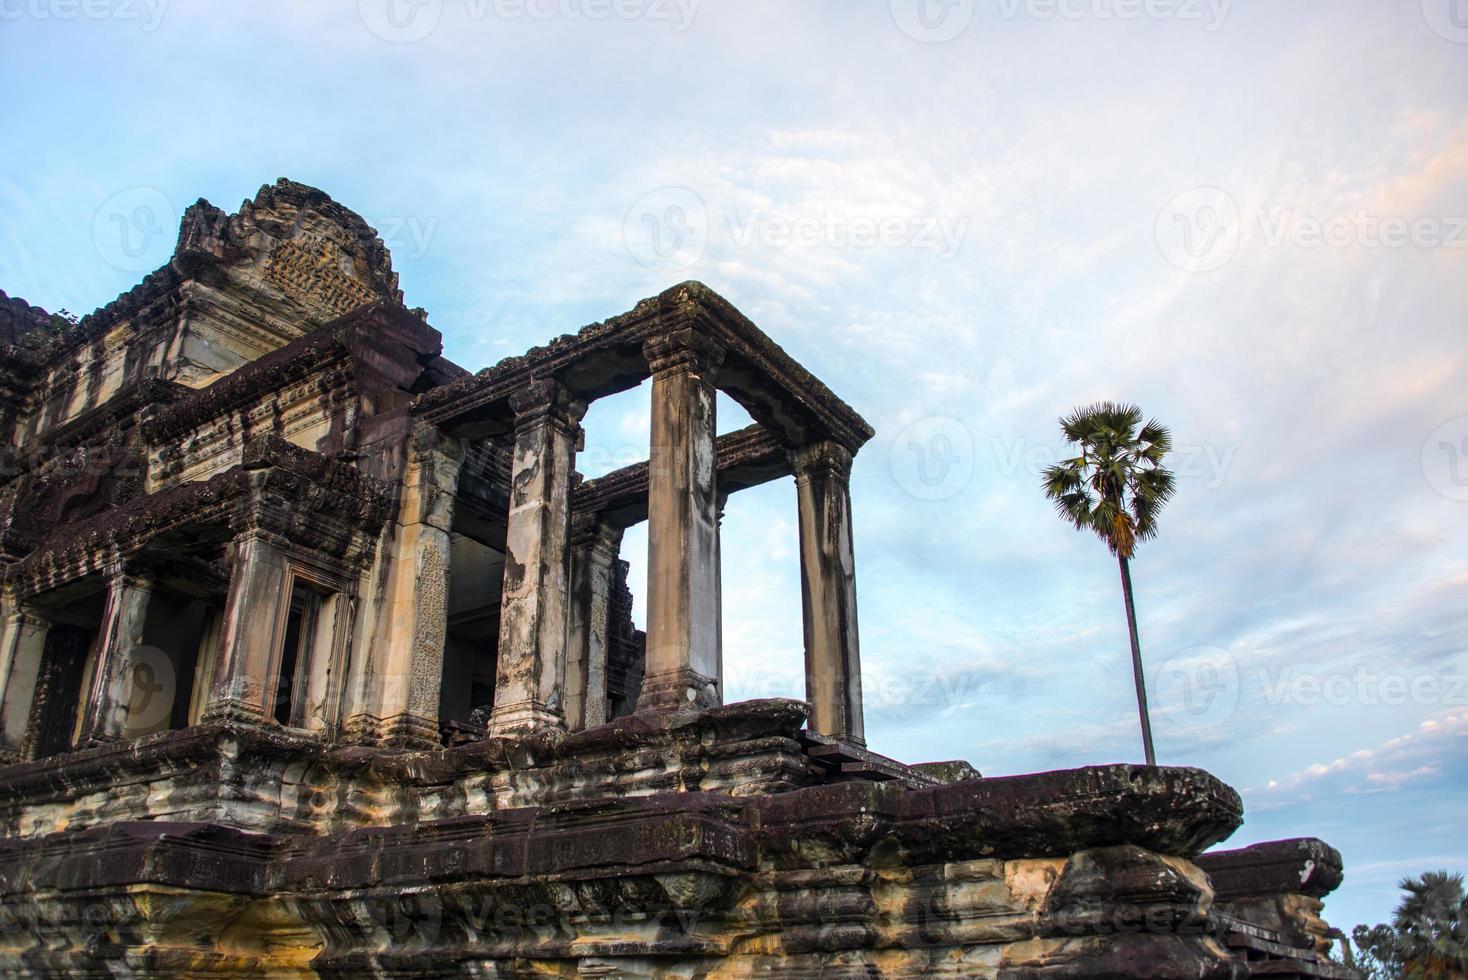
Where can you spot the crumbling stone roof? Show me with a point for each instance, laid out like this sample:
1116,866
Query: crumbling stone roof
210,238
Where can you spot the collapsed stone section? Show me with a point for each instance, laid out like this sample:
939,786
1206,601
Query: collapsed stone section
317,658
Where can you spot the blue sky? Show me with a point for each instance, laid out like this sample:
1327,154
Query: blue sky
966,218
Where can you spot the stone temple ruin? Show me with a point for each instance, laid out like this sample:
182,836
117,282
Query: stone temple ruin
318,660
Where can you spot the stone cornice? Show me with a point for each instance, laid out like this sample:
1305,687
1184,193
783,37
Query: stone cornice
1171,810
123,407
606,357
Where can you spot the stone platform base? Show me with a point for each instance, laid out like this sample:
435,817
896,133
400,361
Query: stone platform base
1085,873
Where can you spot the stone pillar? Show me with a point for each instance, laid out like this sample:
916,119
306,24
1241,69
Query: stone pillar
723,498
22,645
828,591
128,596
254,611
413,623
531,672
682,533
594,551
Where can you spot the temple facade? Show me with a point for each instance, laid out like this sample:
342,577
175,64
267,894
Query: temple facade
317,659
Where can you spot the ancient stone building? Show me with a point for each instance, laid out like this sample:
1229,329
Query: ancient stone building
318,660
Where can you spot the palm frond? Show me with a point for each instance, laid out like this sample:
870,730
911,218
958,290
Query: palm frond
1117,485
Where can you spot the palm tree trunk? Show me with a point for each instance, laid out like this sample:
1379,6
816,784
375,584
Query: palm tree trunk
1131,622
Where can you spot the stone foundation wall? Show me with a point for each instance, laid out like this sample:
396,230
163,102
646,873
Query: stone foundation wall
1086,873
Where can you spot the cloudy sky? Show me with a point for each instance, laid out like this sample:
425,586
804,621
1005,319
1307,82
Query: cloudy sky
967,217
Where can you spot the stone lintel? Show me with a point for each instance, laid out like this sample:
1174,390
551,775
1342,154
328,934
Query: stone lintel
750,457
605,358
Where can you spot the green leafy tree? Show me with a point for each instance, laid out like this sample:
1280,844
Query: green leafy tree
1115,487
1427,938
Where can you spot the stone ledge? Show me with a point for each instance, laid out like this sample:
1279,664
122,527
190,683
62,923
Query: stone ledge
1307,866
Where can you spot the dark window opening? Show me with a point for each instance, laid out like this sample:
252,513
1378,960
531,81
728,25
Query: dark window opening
471,641
178,635
59,689
300,635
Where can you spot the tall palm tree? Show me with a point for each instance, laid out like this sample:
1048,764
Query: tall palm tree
1116,487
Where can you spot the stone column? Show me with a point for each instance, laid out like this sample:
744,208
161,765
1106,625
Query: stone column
128,596
530,676
594,550
828,591
254,614
413,623
723,500
682,533
22,645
